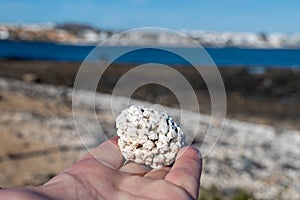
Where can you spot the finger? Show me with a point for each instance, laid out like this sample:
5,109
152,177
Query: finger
107,153
158,174
134,168
186,170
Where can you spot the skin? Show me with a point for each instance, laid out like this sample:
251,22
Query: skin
111,179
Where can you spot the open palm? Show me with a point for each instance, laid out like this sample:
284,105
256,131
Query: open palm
110,179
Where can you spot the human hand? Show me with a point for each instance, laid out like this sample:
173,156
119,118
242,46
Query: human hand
91,179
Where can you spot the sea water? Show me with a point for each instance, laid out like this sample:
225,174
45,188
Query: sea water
222,57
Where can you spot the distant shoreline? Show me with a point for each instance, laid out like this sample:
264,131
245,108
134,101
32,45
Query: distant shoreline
76,33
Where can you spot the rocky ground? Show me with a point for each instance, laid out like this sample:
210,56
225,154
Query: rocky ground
270,98
38,139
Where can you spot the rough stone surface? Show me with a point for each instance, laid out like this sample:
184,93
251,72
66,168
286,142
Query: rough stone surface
148,136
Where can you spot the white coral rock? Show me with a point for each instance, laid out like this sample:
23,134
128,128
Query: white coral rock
149,137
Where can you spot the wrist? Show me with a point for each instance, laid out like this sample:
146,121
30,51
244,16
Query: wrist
61,187
32,193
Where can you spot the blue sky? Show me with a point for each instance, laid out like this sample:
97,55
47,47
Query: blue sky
213,15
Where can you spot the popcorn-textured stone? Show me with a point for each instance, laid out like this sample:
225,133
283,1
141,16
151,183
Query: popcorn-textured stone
148,136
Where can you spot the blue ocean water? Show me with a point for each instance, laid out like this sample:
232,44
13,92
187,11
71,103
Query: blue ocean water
222,57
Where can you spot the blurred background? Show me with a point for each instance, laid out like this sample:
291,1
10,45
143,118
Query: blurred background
255,45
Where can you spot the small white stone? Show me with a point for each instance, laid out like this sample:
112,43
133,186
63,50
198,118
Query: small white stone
149,137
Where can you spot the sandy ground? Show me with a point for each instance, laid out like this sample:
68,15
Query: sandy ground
24,144
37,137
